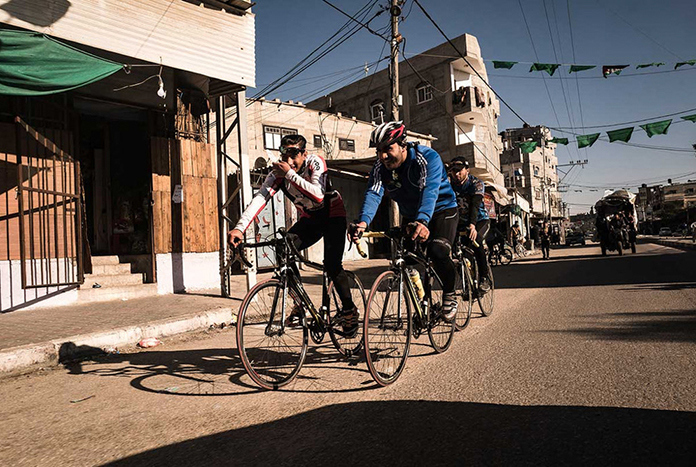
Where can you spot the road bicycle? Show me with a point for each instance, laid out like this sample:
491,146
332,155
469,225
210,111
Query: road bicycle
277,317
497,256
467,267
403,303
520,250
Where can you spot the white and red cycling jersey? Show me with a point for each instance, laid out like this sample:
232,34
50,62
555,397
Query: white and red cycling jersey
308,189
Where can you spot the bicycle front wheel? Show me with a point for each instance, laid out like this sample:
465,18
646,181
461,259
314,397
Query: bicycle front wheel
348,346
272,351
440,332
465,296
485,299
387,328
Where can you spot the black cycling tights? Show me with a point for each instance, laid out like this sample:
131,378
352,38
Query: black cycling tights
308,231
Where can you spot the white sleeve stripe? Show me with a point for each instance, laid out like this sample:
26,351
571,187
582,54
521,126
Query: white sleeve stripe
424,170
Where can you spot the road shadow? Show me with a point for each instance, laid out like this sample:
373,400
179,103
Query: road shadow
593,270
652,326
219,372
445,433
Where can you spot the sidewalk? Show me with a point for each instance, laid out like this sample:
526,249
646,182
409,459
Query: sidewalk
674,242
45,336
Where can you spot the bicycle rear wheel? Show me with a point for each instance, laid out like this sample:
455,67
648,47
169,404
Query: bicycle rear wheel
485,299
348,346
440,332
465,296
387,328
506,256
272,356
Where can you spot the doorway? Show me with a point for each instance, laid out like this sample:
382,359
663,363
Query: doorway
114,149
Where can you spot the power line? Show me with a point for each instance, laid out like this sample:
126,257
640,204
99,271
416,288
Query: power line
560,128
366,26
638,30
468,63
444,107
622,76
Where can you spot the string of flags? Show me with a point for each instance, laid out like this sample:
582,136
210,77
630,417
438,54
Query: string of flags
621,134
607,70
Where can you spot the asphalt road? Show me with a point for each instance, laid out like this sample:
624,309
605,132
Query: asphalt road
586,360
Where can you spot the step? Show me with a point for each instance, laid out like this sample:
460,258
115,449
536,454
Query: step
104,260
111,280
111,269
106,294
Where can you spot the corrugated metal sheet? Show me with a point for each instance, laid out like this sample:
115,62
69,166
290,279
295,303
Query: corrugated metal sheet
186,36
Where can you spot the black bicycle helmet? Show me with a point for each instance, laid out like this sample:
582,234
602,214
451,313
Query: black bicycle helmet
387,134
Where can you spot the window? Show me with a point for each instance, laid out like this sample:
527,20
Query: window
536,171
317,141
424,93
537,193
272,136
377,111
346,144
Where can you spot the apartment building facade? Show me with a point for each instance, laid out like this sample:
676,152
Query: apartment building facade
532,174
441,95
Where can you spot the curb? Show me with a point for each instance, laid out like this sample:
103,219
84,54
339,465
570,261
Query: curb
672,243
57,350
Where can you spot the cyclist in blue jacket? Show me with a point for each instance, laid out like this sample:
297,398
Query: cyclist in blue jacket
473,217
416,179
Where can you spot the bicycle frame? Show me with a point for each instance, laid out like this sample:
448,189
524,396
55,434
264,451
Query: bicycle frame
287,278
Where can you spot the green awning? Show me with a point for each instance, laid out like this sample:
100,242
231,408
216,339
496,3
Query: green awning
657,128
623,134
33,64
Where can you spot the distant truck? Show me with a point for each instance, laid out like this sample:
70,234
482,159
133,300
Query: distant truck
616,233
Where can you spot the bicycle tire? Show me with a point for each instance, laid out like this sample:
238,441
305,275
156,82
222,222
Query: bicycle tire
486,300
463,287
277,359
347,346
506,257
387,333
440,332
493,258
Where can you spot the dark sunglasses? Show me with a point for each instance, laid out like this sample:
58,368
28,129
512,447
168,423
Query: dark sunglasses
290,151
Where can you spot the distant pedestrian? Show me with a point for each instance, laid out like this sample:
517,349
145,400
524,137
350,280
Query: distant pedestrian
545,236
534,235
693,232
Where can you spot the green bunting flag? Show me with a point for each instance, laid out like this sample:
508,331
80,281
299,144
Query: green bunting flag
657,128
585,141
691,118
563,141
688,62
623,134
507,65
613,69
549,68
528,146
576,68
646,65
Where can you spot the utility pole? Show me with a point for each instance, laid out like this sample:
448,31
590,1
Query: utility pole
395,12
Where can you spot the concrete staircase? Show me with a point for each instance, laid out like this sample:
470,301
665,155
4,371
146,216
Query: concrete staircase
116,281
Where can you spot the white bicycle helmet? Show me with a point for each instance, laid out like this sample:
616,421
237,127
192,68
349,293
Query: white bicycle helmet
387,134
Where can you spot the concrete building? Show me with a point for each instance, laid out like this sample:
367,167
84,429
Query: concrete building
444,98
532,174
110,187
343,141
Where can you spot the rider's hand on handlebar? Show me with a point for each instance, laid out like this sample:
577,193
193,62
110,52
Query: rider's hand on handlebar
355,231
419,232
235,237
472,232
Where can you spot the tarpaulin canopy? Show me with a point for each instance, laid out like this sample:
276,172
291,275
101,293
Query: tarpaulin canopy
499,192
33,64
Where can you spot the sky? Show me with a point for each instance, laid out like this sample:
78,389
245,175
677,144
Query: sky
600,32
